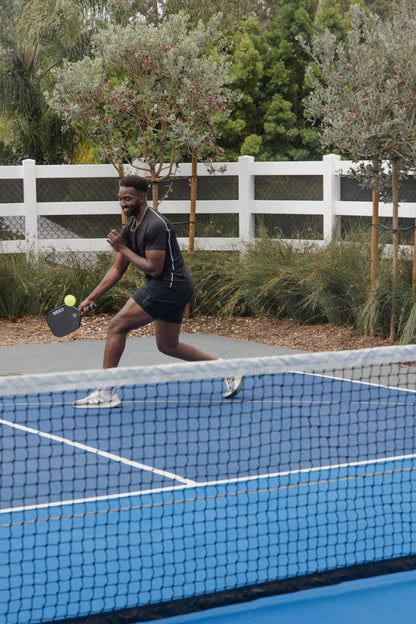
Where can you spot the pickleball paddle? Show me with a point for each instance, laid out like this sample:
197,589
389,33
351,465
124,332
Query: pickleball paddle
65,319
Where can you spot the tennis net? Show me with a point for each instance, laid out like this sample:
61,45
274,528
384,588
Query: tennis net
178,499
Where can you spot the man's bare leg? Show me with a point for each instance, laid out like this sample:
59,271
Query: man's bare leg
167,340
131,316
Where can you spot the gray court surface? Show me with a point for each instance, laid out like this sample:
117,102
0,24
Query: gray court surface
88,355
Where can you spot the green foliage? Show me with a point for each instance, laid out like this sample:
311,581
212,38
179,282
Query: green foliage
246,74
339,282
123,11
267,120
363,97
32,286
7,154
147,94
335,16
269,74
217,277
18,284
377,307
267,66
309,285
34,36
271,278
232,11
383,8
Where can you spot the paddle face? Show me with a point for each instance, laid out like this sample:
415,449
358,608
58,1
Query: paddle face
63,320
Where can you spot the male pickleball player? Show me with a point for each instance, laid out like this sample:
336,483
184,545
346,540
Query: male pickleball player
148,241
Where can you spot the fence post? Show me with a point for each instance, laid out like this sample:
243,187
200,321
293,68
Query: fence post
30,203
332,194
245,198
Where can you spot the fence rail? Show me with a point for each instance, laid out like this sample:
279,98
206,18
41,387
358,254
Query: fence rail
71,207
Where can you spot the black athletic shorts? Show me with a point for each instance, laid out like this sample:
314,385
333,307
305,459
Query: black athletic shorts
162,302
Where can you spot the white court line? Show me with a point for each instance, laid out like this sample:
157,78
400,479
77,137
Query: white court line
91,449
189,482
247,479
362,382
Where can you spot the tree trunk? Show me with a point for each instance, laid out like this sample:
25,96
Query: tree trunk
374,252
192,210
414,263
120,170
155,188
395,267
192,213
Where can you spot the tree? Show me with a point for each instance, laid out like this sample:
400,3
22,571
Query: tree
241,129
285,76
123,11
147,96
34,36
232,11
384,8
267,120
334,15
365,103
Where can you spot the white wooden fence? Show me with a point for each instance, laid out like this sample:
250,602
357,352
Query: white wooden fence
246,206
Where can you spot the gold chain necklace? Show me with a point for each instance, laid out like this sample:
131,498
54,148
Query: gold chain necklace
133,228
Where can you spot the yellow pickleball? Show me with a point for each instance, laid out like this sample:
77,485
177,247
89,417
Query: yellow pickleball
70,300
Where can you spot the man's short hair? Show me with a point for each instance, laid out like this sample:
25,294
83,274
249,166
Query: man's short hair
134,181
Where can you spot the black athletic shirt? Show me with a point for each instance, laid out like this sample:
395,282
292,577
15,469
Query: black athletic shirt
156,232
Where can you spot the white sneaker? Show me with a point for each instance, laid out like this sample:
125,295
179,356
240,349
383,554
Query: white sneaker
233,385
98,399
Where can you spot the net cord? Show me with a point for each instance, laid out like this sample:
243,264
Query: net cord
303,362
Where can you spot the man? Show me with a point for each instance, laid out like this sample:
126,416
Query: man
148,242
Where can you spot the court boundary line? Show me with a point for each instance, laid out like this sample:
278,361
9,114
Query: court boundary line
217,495
95,451
356,381
189,482
206,484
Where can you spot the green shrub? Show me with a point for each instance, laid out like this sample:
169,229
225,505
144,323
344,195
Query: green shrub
272,278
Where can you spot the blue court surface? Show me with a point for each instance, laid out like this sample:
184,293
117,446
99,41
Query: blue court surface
179,493
389,599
